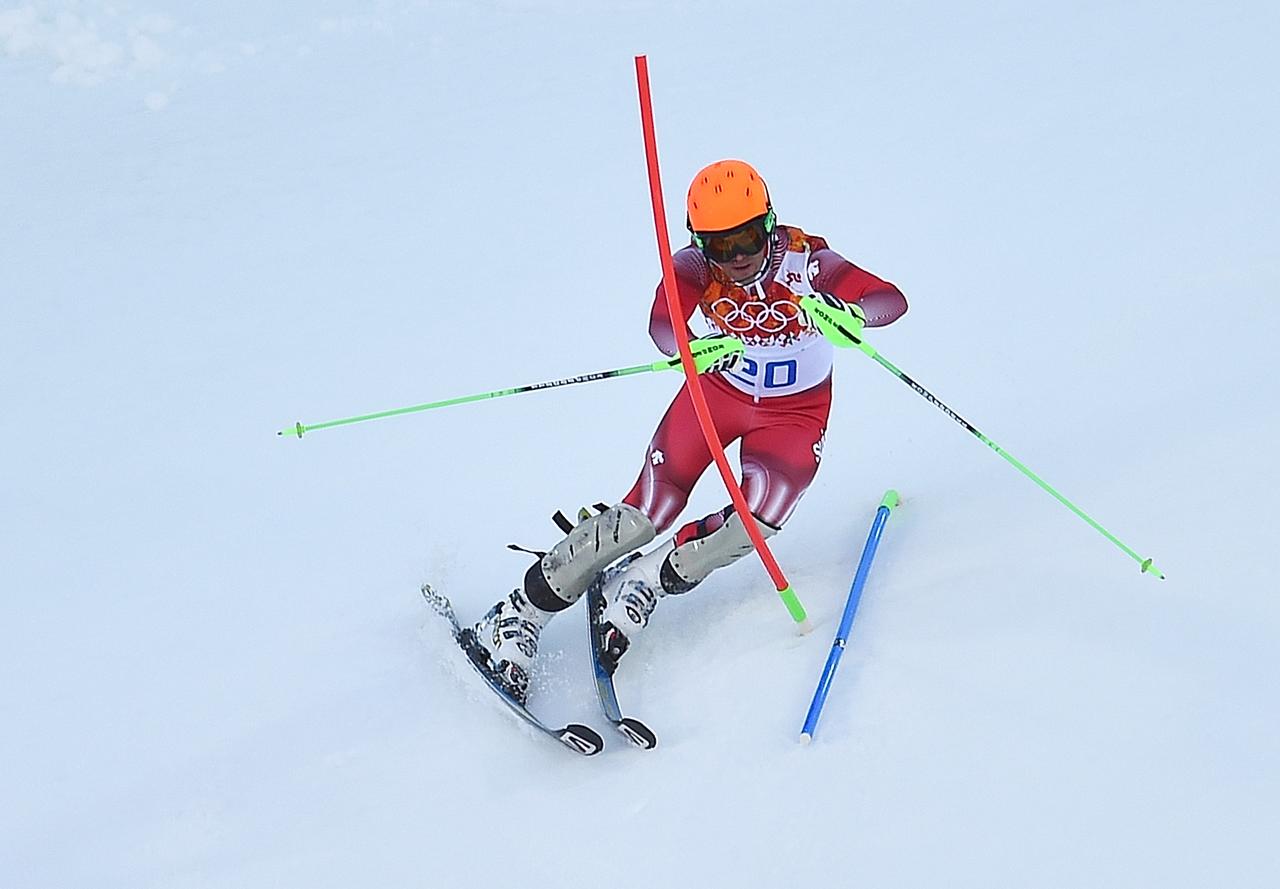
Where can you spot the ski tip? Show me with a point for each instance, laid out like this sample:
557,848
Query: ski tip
581,738
637,733
440,604
805,739
436,600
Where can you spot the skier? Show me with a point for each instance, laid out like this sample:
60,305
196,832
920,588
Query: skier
747,275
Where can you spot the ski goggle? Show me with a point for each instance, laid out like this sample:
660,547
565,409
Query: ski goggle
745,240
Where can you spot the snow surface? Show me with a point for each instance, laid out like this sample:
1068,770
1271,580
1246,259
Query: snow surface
216,219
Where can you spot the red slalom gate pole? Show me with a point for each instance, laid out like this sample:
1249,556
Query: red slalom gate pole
789,598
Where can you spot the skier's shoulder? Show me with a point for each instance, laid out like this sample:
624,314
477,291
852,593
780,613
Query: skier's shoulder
691,266
826,266
800,241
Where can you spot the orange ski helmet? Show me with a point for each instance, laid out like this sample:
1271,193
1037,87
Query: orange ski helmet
725,195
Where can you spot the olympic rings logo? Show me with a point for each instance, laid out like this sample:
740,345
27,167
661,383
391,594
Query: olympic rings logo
757,315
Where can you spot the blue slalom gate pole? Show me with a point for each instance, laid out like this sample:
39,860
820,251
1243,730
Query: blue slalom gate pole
887,505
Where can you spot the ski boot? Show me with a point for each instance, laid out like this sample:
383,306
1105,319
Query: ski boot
629,599
697,549
505,642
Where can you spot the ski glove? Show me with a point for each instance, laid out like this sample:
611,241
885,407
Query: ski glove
712,354
839,321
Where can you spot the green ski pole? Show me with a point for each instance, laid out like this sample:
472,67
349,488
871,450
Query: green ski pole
299,429
707,353
826,319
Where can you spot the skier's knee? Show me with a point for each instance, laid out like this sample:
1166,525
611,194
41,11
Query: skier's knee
660,499
772,492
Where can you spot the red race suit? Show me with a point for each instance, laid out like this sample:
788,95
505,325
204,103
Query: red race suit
777,398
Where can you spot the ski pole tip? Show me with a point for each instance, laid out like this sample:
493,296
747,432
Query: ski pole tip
1149,568
892,500
805,739
803,627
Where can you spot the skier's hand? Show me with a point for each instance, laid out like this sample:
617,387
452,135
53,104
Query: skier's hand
715,354
839,321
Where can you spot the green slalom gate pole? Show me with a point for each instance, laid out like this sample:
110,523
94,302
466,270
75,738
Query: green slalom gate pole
828,319
707,353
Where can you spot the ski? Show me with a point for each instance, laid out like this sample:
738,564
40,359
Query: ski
578,738
632,729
